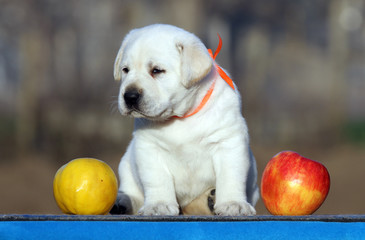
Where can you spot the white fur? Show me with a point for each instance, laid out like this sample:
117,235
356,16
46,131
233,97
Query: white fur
170,161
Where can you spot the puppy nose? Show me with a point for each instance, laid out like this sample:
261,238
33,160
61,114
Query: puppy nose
131,98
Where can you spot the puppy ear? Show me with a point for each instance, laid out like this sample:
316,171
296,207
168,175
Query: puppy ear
118,59
196,62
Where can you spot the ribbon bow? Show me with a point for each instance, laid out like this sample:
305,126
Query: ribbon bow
219,69
223,75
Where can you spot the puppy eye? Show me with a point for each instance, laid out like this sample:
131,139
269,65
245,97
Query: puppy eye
156,71
125,70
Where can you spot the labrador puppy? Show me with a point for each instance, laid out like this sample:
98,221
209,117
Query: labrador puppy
182,146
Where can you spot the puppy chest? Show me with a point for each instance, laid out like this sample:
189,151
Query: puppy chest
192,172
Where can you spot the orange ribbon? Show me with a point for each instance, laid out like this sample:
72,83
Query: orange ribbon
219,69
223,75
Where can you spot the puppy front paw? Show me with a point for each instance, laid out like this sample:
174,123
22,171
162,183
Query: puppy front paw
234,209
160,208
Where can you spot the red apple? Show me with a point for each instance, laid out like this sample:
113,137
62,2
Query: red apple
294,185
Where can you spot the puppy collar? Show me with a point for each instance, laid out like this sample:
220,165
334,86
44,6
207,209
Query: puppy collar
223,75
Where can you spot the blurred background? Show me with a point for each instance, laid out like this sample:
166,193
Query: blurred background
300,67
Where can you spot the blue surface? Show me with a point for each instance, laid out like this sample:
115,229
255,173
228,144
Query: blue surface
181,230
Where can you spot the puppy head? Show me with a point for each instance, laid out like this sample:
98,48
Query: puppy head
158,66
